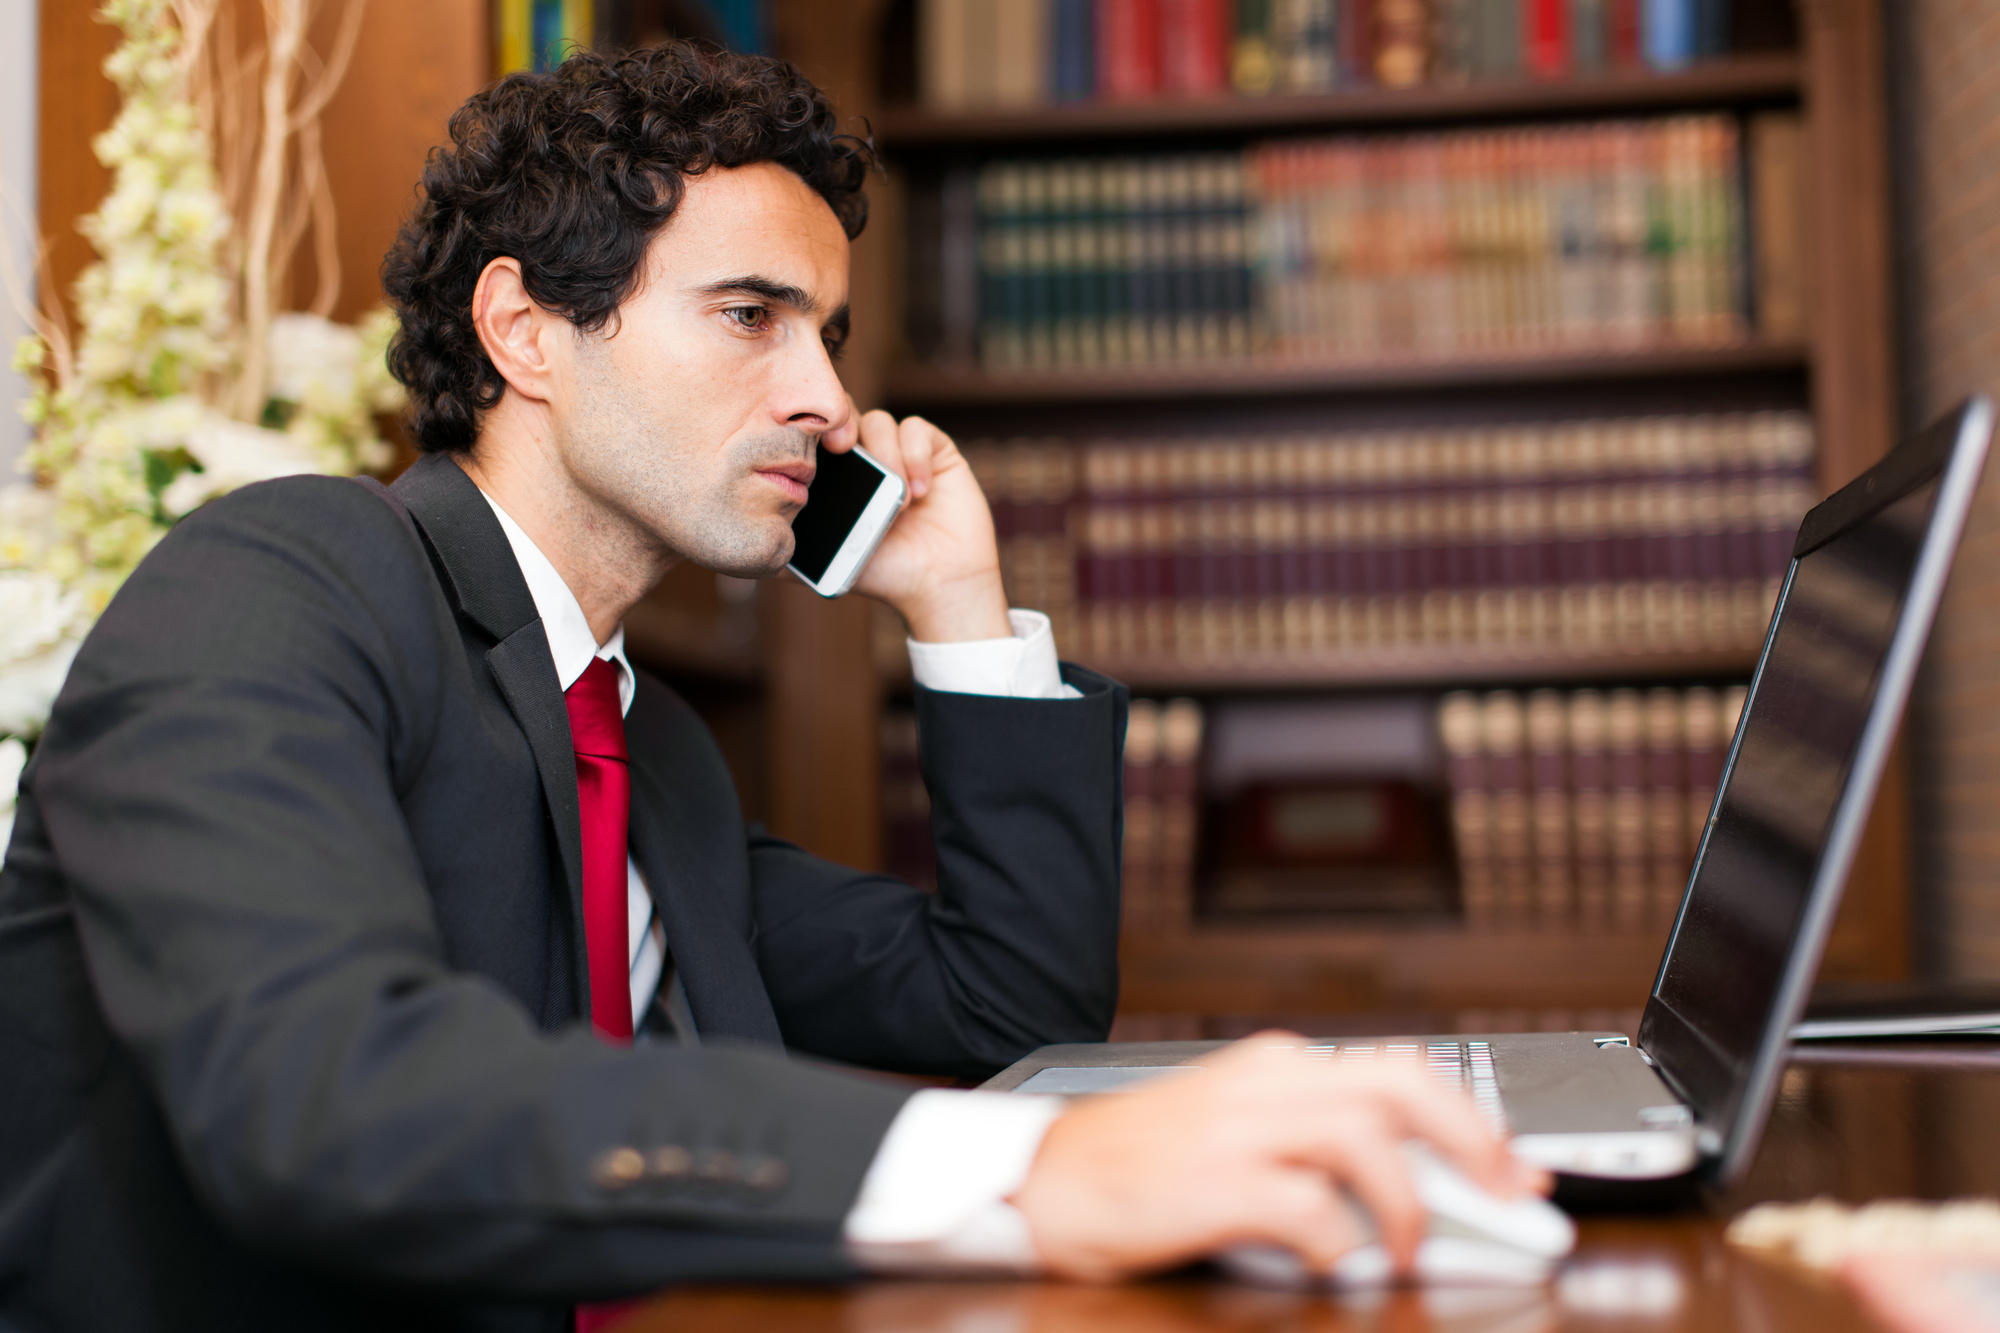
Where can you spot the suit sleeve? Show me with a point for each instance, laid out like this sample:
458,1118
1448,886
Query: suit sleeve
1019,946
220,788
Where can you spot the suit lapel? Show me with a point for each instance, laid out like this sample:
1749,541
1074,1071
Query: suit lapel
725,990
485,581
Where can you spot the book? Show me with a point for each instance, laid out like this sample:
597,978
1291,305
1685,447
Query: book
1669,33
1546,38
1253,57
1020,52
1194,47
1302,44
1180,755
1503,737
1590,804
1624,744
1670,851
1403,35
1128,49
1459,732
1780,262
943,33
1354,42
1554,821
1143,908
1072,50
1590,39
1701,729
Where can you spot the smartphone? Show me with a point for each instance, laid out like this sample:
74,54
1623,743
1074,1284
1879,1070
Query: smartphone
849,506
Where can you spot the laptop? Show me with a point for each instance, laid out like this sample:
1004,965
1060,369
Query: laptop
1690,1097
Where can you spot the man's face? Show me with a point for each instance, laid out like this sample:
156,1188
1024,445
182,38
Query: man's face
694,412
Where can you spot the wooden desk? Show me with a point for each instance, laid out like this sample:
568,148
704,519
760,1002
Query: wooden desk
1855,1124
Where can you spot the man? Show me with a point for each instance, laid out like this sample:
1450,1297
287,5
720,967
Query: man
353,822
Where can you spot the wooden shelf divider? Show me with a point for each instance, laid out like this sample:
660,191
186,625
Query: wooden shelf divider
1762,78
928,387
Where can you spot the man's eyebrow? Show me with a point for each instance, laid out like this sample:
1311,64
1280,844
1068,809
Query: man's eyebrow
779,293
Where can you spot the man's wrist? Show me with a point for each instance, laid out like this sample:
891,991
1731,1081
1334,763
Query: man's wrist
960,611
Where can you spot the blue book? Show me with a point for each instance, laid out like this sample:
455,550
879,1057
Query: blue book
1072,56
1669,34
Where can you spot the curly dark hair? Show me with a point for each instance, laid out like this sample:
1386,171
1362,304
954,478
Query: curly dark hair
573,173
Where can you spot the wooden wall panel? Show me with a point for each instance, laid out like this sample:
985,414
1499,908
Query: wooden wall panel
75,103
414,66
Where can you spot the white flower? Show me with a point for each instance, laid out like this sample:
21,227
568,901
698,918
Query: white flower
38,637
233,454
13,758
312,358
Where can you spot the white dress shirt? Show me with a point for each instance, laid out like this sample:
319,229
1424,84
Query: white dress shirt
934,1198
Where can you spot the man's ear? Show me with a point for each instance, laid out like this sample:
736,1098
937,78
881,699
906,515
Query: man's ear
518,334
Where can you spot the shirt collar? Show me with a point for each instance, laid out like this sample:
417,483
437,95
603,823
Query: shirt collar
571,643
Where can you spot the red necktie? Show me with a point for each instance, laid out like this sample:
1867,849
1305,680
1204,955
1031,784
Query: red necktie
604,800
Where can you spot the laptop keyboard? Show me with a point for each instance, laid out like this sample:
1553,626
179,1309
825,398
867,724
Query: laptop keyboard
1465,1065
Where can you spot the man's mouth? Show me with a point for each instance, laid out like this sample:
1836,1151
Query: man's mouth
792,478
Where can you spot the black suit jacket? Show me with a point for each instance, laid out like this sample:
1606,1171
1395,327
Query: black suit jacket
292,981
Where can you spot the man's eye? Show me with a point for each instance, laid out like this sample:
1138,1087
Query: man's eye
751,317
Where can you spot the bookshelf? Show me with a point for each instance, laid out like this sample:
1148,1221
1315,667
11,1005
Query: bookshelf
1205,974
1747,80
930,388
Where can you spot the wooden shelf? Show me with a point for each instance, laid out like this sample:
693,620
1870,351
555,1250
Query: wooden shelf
1774,77
1328,968
1424,667
924,387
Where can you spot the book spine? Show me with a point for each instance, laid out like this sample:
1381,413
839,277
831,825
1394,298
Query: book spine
1302,40
1548,763
1777,203
1590,35
1020,52
1503,733
1453,26
1624,33
1194,47
1143,915
1590,798
1354,43
1545,42
1402,38
943,37
1669,33
1180,755
1701,733
1667,802
1128,49
1712,23
1625,727
1072,52
1253,57
1471,809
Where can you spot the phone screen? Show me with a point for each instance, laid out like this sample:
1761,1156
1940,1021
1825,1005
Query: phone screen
841,488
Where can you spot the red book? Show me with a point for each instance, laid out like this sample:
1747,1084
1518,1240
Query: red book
1622,27
1194,46
1545,40
1128,48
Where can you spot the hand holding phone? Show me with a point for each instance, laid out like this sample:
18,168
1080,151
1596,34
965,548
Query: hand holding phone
849,506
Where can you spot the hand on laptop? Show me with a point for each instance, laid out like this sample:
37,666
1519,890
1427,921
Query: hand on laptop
1262,1146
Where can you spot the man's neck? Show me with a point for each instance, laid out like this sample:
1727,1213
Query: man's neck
607,567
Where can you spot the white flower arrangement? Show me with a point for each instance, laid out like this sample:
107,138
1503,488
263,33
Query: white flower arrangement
187,380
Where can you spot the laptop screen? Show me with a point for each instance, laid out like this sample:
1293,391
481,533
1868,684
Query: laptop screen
1801,728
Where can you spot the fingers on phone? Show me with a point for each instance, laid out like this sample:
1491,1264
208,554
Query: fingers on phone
919,440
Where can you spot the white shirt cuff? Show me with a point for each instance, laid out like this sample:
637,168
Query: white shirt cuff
1021,667
935,1197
